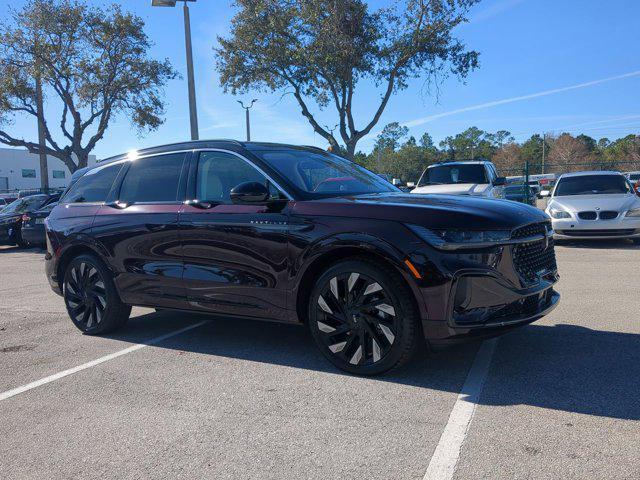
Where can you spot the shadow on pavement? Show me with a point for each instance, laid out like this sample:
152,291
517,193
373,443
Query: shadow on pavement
562,367
569,368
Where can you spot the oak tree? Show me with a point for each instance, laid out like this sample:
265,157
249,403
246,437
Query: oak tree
321,50
93,64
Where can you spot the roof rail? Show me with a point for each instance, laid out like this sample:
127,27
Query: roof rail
315,148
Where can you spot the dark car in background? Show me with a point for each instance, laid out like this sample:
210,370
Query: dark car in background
33,232
11,217
520,193
296,235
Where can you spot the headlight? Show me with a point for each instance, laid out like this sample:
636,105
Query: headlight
555,213
634,212
451,239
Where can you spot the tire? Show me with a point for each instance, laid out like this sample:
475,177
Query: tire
362,317
19,240
91,298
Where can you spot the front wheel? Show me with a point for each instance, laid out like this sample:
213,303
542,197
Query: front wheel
91,298
362,317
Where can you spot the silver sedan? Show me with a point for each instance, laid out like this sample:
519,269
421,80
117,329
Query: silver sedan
594,205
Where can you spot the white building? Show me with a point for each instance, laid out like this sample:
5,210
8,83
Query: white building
20,170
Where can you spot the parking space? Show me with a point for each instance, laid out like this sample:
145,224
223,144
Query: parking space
248,399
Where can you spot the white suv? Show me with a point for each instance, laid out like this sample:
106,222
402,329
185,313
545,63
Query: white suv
478,178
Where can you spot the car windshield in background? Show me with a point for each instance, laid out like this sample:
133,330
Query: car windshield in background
515,190
320,175
26,204
448,174
592,185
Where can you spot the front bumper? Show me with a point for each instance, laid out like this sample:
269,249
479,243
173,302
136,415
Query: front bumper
483,293
577,229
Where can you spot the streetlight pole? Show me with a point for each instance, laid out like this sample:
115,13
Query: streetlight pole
193,113
246,116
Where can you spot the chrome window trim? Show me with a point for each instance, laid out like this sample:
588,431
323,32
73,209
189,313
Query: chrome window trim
260,170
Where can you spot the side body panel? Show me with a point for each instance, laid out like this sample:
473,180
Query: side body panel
235,259
142,247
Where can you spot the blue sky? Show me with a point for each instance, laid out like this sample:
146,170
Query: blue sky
574,62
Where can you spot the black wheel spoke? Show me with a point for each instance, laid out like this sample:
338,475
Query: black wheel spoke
356,318
85,295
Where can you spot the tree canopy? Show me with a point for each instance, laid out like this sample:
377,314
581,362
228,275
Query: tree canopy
93,64
405,158
320,50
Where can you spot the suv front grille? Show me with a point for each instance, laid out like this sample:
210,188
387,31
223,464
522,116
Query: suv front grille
531,259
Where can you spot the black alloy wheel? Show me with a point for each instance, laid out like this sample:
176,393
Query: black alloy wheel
90,297
362,317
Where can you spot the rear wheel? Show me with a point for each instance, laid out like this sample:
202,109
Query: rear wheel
91,298
19,240
362,317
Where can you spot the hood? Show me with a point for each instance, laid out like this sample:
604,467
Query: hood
578,203
432,211
455,189
6,216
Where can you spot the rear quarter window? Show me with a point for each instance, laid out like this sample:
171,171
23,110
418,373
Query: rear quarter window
93,186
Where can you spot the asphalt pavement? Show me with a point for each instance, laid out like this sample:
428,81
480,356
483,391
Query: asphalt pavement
248,399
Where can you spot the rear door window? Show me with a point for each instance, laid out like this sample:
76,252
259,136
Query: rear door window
93,186
153,179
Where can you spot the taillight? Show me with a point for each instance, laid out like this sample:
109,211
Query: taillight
25,218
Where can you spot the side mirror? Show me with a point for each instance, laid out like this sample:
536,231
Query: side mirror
499,181
545,193
249,192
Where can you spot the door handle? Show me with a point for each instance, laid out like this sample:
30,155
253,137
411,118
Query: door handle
118,204
204,205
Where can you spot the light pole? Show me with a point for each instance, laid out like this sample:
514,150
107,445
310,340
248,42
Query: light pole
193,114
246,116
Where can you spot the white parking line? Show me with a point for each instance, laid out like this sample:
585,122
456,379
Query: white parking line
98,361
445,457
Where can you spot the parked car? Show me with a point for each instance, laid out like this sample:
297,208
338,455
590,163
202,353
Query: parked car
6,200
520,193
594,205
478,178
633,177
11,217
243,230
33,225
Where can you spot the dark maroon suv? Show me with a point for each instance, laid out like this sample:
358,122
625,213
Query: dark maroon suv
297,235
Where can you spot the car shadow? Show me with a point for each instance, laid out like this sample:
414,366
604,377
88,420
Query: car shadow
16,249
559,367
621,244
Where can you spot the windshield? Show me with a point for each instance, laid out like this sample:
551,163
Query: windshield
319,175
591,185
448,174
24,205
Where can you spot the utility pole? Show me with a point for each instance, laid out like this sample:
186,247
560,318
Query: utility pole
331,130
544,142
246,116
44,169
193,113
